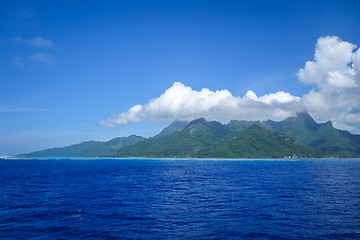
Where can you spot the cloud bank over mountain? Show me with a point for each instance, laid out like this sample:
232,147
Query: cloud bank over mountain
180,102
334,74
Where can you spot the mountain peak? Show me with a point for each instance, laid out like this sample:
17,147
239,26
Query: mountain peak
178,124
328,124
303,114
302,118
198,121
173,127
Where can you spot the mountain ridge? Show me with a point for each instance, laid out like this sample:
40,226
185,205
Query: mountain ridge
173,127
215,140
88,148
298,135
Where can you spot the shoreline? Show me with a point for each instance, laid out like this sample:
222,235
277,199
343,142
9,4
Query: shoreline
170,159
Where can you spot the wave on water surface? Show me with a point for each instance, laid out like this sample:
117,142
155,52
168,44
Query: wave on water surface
192,199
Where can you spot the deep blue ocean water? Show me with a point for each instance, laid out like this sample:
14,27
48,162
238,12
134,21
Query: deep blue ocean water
179,199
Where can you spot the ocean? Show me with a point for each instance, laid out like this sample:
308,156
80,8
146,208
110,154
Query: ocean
179,199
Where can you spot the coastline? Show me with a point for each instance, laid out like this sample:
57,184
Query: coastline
171,159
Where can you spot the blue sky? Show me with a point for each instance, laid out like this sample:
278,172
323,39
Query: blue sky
67,66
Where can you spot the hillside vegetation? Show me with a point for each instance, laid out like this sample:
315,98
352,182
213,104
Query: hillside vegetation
297,136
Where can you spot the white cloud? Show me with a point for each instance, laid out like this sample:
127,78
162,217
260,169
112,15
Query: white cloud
334,73
180,102
40,42
281,97
32,61
330,65
36,42
42,58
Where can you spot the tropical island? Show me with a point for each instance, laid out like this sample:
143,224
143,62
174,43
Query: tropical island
296,136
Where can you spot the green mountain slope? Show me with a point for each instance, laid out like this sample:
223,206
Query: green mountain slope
242,125
88,149
212,139
257,142
302,127
198,135
320,136
201,138
173,127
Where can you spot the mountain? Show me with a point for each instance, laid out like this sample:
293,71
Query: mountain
173,127
197,136
258,142
298,135
88,149
213,139
320,136
242,125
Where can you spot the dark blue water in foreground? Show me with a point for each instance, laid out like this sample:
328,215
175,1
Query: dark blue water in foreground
160,199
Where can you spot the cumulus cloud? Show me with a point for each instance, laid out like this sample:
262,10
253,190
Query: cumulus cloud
332,65
334,74
180,102
36,42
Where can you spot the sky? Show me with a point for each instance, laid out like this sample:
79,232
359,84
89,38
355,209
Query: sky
72,71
